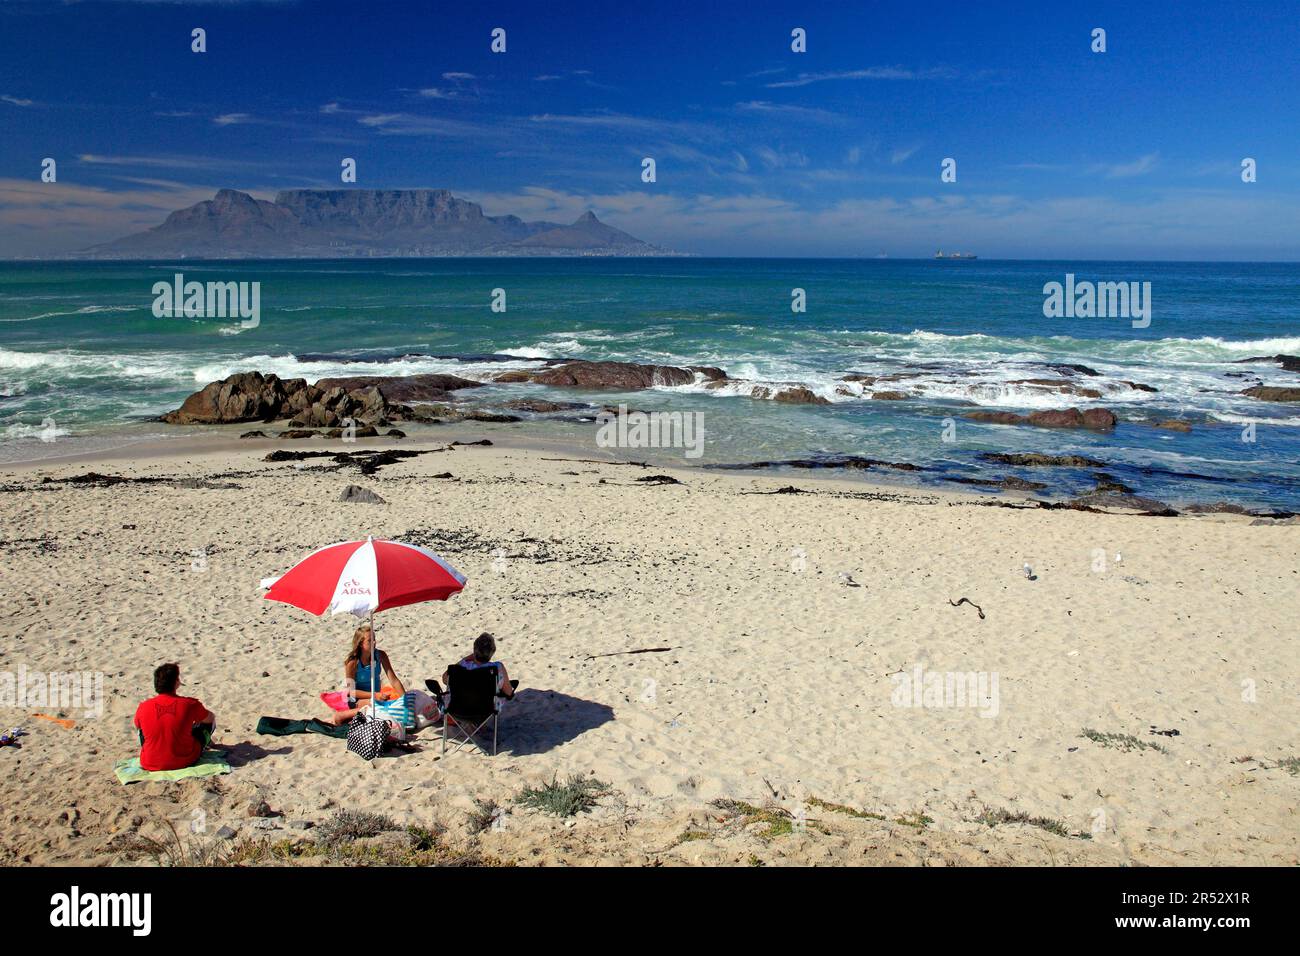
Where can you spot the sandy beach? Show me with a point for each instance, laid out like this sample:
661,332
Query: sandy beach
795,624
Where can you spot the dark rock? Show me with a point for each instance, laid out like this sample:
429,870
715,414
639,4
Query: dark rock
297,433
1269,393
862,377
1217,508
1095,418
469,444
1009,483
429,387
356,493
395,433
253,434
541,406
1290,363
1108,485
658,480
996,418
242,397
1122,501
889,396
624,376
1174,425
1138,386
1066,368
514,376
799,396
1012,483
1035,460
480,416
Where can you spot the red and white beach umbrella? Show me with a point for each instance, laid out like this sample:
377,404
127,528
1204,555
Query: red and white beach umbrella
362,577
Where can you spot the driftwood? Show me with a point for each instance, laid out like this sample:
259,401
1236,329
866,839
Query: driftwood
640,650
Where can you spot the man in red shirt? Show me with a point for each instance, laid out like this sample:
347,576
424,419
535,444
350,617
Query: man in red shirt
173,730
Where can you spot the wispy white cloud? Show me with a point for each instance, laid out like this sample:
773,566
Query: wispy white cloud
780,159
790,110
1065,226
871,73
903,154
16,100
1138,167
414,124
232,119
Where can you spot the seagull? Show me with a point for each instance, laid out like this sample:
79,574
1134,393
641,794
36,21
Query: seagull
847,579
1029,572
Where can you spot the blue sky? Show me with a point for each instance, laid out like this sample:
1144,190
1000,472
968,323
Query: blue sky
1061,152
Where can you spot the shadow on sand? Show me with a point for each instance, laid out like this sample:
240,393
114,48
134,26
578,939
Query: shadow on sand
539,720
246,752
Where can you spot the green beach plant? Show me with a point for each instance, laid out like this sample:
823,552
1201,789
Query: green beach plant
1122,742
576,795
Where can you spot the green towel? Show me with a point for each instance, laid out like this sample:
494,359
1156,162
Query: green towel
283,727
210,764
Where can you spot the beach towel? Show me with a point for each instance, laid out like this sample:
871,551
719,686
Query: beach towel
210,764
400,711
283,727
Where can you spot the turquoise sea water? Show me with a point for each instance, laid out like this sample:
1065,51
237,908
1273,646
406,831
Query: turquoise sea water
83,357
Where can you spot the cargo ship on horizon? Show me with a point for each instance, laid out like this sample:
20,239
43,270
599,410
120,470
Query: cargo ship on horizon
955,255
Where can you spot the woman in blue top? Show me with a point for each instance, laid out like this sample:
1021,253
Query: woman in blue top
363,664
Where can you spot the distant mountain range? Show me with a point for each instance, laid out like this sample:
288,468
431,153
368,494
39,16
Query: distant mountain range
344,223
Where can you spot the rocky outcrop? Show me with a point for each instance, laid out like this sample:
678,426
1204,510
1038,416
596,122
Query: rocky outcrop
1271,393
404,388
253,397
623,376
243,397
1035,460
799,396
540,406
1289,363
1057,385
1122,502
1173,425
1098,419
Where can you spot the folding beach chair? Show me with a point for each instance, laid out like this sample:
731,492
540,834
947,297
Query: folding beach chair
471,704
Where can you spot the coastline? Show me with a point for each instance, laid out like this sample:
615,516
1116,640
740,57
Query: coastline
781,687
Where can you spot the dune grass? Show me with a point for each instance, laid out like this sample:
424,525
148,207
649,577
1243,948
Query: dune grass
1122,742
997,817
576,795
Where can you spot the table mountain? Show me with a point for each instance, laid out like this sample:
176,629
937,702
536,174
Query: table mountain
341,223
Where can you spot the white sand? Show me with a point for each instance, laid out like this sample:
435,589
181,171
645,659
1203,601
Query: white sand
777,689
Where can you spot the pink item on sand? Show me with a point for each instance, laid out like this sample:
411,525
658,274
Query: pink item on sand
335,699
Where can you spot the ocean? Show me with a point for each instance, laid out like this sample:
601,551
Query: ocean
84,362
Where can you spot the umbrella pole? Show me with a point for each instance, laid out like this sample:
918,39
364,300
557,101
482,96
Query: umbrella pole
374,662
